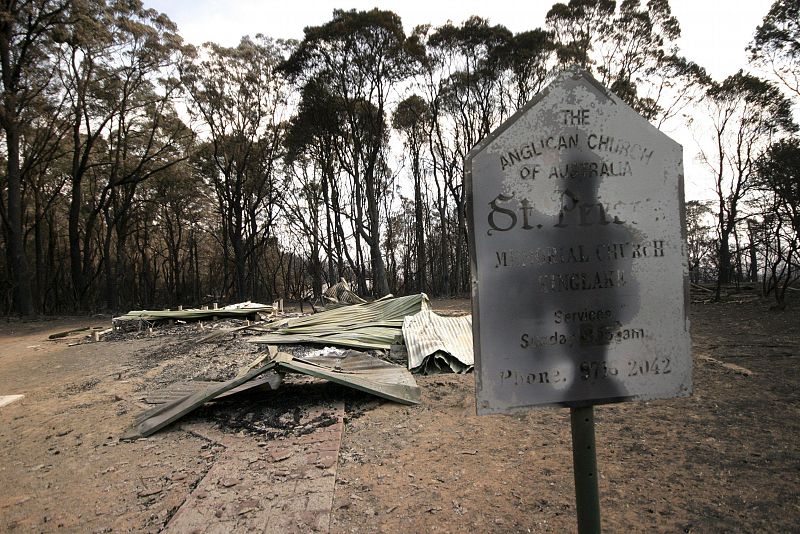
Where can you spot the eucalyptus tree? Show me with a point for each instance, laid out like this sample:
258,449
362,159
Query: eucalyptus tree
463,86
303,208
312,139
178,201
577,26
439,166
241,104
528,60
123,127
412,119
745,113
778,177
700,244
368,125
360,56
633,50
43,152
28,29
776,45
149,141
472,87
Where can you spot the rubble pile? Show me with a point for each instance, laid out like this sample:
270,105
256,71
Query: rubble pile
370,347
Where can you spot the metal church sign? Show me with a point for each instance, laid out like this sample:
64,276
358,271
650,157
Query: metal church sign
579,272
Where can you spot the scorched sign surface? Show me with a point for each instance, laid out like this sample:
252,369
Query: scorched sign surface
579,273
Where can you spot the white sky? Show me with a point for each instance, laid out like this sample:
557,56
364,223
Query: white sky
714,32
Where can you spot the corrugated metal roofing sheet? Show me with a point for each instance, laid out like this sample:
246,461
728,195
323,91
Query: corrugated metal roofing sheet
154,420
162,315
363,372
434,341
353,369
371,325
266,382
342,294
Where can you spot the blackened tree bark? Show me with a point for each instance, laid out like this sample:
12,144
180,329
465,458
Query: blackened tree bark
411,117
238,96
744,112
361,55
26,33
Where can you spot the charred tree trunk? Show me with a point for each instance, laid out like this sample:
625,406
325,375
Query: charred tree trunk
20,280
380,284
419,226
76,200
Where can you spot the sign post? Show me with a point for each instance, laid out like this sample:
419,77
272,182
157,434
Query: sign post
579,272
584,465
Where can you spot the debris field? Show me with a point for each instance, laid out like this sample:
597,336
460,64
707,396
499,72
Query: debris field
309,443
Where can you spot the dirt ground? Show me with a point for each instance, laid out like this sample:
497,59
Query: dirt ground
724,460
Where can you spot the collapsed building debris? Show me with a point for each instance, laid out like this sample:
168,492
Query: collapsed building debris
404,325
180,390
81,335
360,371
340,294
369,325
241,310
74,331
353,369
438,344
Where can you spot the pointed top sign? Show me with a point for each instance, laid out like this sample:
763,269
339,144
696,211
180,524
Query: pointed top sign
578,266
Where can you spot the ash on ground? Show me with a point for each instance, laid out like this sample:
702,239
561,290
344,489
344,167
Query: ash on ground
301,405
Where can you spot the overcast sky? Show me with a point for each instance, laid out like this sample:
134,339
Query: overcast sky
714,32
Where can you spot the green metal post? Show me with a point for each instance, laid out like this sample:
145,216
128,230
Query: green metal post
584,465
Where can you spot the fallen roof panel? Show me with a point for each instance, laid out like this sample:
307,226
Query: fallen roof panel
363,372
269,381
353,369
242,309
433,339
166,414
370,325
341,293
